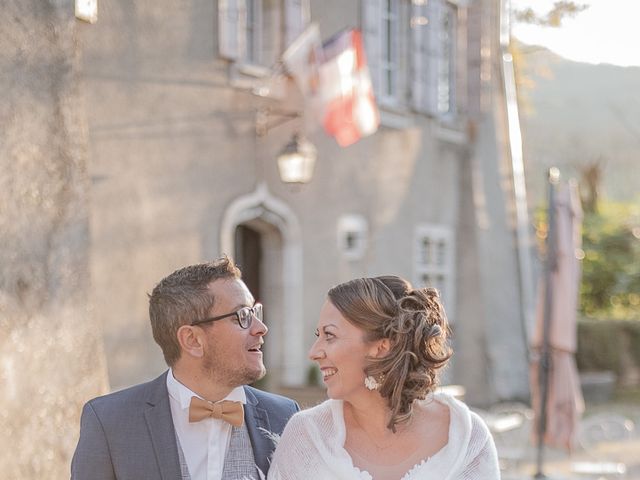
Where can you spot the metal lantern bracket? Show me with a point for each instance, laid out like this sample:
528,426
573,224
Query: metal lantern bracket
297,159
269,118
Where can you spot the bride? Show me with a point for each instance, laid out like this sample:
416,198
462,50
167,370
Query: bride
380,345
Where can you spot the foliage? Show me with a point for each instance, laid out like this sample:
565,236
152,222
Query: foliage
630,395
611,267
610,286
598,346
608,345
554,17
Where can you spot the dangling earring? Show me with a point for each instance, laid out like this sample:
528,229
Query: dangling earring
371,383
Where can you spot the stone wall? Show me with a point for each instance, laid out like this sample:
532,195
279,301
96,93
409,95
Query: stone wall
51,356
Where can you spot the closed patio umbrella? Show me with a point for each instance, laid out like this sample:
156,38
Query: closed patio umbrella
556,394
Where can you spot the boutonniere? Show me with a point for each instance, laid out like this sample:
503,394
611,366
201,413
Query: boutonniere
275,438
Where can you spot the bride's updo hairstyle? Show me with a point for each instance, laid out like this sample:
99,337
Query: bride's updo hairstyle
415,323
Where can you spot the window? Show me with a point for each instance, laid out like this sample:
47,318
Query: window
385,27
264,43
418,37
254,33
352,236
390,37
433,55
446,50
434,266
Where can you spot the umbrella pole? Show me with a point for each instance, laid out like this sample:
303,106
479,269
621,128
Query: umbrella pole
545,354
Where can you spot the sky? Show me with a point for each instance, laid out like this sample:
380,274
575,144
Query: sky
607,32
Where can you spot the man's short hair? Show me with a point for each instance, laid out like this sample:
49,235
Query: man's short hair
183,297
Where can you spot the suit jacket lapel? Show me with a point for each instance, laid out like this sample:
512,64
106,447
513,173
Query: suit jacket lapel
257,422
161,430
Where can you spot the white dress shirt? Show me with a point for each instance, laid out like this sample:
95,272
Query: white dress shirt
204,443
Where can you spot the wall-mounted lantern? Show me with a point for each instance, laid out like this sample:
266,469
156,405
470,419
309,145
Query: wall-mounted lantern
297,160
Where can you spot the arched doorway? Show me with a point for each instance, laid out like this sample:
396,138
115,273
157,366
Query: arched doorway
258,253
263,235
248,255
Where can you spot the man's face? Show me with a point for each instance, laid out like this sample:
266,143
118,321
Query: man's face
232,355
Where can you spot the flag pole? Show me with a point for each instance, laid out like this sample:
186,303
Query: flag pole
545,353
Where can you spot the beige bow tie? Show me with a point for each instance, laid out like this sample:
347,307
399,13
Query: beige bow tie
230,412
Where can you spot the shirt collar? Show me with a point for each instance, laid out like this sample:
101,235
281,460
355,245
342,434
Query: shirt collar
182,394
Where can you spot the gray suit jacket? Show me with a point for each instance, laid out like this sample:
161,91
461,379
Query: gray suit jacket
130,435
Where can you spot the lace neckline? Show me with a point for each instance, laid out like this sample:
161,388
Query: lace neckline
365,475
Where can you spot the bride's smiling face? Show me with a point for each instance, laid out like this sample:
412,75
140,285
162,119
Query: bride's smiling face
341,352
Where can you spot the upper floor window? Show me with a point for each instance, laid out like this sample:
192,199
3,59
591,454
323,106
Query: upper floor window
417,37
385,26
264,41
256,32
446,58
390,54
433,56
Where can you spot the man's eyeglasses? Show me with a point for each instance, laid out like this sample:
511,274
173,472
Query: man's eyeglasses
244,316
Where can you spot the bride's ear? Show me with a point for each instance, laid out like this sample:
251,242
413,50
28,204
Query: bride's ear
381,348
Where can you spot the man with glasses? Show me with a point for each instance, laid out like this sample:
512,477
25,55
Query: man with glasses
198,420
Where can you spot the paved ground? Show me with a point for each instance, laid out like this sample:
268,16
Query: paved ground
608,455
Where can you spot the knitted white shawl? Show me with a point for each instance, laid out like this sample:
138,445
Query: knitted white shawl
311,448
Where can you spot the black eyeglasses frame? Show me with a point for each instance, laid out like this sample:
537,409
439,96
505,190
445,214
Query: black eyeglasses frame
255,311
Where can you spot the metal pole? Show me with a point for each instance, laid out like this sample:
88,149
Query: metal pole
545,353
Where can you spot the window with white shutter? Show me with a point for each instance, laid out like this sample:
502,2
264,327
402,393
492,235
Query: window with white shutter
390,54
231,27
433,55
371,31
434,261
297,16
446,59
385,28
421,84
254,33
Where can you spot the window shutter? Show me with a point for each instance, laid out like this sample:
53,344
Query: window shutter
393,89
434,46
403,62
453,80
371,33
424,72
418,56
232,20
297,15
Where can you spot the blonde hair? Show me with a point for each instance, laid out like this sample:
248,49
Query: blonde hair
415,323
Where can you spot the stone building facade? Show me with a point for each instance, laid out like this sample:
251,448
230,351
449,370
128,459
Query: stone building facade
180,176
138,133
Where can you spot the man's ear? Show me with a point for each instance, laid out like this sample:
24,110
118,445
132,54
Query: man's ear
381,348
191,340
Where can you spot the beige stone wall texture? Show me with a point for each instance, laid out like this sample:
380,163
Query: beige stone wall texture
51,359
